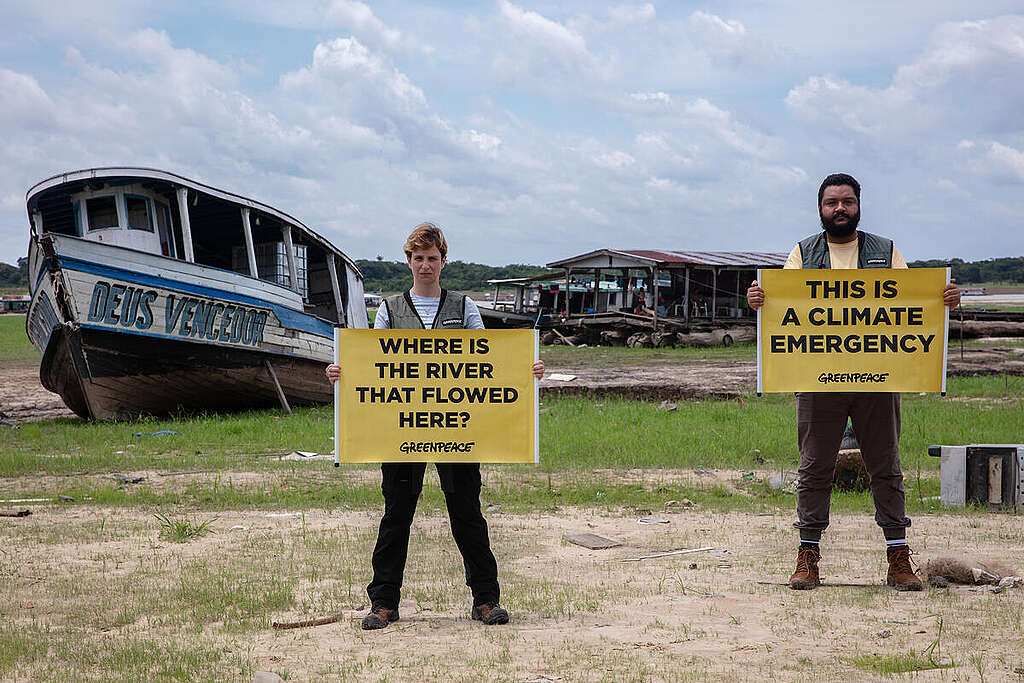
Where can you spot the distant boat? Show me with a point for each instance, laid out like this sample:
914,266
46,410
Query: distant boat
153,293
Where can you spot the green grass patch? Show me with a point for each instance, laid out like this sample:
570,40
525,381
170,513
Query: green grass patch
898,664
15,348
181,530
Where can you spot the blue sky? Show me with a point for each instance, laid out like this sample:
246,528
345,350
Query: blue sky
532,131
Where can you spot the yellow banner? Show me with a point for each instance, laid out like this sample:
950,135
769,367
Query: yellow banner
852,330
436,396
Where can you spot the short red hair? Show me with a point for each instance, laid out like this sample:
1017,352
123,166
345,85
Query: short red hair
425,236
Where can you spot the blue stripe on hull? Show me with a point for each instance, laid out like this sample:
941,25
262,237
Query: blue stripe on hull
190,340
289,317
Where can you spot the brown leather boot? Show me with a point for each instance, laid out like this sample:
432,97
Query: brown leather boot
379,617
806,575
901,575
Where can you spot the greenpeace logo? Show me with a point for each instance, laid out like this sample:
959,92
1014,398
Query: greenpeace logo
873,261
452,321
437,446
853,377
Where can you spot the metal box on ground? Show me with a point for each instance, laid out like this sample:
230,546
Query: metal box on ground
991,475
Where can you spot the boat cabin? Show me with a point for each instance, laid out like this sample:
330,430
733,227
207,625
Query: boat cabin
163,214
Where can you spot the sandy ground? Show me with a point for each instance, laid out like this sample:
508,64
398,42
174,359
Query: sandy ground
577,614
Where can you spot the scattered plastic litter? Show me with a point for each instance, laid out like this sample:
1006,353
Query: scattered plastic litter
162,432
558,377
125,478
667,406
722,554
283,514
307,455
783,481
239,527
652,520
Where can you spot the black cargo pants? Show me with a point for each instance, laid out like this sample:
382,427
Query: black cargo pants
401,484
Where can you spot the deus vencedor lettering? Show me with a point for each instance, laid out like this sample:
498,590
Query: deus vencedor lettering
185,316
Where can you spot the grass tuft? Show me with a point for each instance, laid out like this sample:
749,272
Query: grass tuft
182,530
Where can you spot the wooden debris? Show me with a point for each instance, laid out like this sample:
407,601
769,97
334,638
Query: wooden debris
671,552
15,513
322,621
592,541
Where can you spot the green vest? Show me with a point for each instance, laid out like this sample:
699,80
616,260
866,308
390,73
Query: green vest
450,312
872,251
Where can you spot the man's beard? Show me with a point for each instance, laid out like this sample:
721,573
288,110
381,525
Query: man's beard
841,230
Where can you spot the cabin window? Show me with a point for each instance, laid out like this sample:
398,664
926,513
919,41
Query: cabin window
138,213
101,212
166,230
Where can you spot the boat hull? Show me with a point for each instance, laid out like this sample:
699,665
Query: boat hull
125,333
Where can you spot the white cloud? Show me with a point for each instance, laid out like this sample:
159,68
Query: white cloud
967,79
727,42
23,102
632,14
542,48
358,17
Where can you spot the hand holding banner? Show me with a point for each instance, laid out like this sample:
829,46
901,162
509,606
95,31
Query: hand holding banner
436,396
852,330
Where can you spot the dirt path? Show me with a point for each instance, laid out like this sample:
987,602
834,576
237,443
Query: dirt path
718,379
23,398
103,577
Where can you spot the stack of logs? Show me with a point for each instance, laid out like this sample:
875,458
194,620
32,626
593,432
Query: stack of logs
658,338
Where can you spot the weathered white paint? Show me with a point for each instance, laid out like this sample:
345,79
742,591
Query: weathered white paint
159,266
356,309
186,227
953,476
250,250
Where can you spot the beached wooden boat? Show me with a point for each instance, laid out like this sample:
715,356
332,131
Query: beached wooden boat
152,293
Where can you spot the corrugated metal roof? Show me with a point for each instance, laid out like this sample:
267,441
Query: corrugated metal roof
710,258
723,259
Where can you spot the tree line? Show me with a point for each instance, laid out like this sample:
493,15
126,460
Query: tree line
975,272
394,276
14,276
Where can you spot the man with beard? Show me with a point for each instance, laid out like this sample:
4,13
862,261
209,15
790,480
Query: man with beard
821,417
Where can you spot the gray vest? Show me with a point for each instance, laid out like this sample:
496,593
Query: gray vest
872,251
450,312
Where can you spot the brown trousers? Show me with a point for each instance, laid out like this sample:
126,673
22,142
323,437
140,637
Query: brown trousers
821,421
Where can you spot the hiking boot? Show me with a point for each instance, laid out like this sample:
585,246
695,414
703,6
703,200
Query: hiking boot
490,613
901,575
379,617
806,575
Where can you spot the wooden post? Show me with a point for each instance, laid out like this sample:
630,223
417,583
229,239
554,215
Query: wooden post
497,288
520,299
597,288
995,480
289,248
568,298
250,250
714,292
186,226
332,268
686,296
738,307
277,385
654,294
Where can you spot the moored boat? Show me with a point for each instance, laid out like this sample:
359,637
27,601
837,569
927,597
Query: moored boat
153,293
